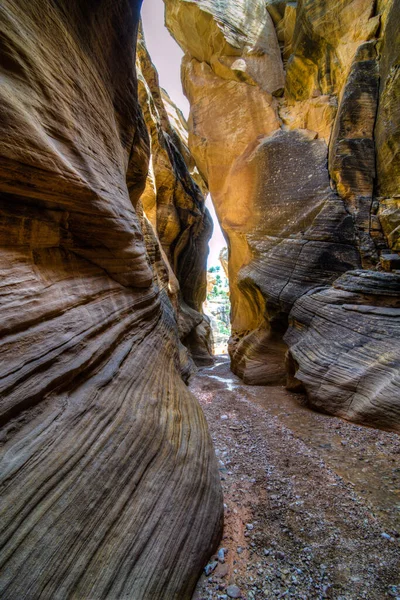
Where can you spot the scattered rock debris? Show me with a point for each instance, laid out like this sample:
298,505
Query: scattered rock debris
312,503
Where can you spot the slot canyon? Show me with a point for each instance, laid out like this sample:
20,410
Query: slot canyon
137,462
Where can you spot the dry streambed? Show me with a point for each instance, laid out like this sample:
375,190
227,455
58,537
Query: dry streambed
312,503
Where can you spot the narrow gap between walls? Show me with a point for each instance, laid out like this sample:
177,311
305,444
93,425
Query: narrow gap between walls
217,305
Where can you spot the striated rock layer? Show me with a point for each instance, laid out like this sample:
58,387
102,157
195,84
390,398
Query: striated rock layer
174,205
294,126
109,481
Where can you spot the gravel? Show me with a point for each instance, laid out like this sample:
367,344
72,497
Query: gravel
306,516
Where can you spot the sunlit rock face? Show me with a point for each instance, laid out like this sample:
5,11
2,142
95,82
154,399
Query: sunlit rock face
174,205
387,130
231,71
301,158
109,482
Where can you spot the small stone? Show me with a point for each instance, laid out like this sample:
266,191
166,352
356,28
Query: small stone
280,555
221,555
210,567
224,417
249,526
239,550
233,591
390,261
385,536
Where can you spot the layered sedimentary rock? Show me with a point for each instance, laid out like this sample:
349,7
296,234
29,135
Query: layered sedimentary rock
387,131
343,347
174,204
294,125
109,482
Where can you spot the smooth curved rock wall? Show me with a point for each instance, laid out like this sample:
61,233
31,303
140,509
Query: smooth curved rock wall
110,486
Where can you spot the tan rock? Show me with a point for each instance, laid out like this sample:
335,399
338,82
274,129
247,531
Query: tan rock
175,206
293,224
110,485
389,217
351,369
352,149
237,39
228,78
387,131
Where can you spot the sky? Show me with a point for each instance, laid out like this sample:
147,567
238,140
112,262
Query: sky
167,55
164,51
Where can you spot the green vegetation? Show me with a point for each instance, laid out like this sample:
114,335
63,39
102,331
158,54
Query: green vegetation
223,329
220,288
218,306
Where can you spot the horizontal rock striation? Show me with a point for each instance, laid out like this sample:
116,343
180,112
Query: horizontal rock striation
344,347
109,480
294,127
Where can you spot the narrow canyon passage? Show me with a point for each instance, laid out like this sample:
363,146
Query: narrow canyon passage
113,485
312,502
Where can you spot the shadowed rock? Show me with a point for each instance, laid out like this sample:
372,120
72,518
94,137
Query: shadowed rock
109,481
345,341
174,204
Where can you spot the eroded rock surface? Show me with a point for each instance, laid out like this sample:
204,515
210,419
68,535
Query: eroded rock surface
300,155
174,204
109,481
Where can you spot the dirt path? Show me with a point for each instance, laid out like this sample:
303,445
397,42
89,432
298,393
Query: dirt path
312,503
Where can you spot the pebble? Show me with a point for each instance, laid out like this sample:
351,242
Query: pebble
249,526
385,536
221,555
233,591
210,567
224,417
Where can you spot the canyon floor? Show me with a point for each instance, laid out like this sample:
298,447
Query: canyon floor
312,503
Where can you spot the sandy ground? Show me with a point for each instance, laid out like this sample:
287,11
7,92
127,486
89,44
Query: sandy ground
312,503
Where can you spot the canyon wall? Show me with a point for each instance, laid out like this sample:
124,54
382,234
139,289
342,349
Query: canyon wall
109,482
295,127
174,204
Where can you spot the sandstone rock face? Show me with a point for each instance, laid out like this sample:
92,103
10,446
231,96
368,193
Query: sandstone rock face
301,160
109,481
231,71
174,205
356,359
387,131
